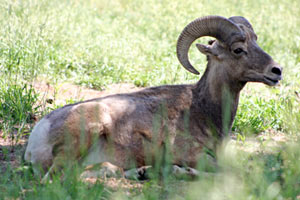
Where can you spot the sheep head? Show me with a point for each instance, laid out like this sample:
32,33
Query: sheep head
235,50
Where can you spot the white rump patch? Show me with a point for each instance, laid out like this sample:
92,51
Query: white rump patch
38,148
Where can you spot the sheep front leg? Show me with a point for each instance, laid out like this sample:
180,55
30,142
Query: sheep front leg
58,163
46,177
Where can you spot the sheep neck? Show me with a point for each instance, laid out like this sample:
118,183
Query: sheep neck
216,98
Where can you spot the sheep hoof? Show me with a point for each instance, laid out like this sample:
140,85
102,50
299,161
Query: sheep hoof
138,173
184,172
47,175
102,170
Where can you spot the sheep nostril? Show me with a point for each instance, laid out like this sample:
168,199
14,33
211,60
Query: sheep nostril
276,70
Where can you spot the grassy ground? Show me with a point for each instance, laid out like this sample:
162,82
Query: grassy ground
99,43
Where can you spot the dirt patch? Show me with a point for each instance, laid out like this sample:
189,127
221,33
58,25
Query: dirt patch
64,93
10,153
117,183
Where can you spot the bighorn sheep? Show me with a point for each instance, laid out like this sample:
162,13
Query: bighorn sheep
124,129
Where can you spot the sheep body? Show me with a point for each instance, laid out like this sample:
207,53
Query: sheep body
127,129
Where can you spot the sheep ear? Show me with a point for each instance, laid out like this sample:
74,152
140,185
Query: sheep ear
205,49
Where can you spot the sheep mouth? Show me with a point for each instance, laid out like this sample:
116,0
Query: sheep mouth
271,81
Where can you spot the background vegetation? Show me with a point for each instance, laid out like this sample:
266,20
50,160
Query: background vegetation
99,42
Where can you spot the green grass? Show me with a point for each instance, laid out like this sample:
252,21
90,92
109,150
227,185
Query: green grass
257,115
17,109
97,43
20,183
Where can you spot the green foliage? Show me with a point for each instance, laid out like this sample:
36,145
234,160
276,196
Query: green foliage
96,43
17,108
20,182
256,115
259,175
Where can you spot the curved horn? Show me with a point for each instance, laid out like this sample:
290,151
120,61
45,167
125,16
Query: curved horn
241,20
215,26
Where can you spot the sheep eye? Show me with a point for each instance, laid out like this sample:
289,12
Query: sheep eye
238,51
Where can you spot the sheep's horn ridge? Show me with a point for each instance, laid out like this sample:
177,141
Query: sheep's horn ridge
218,27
